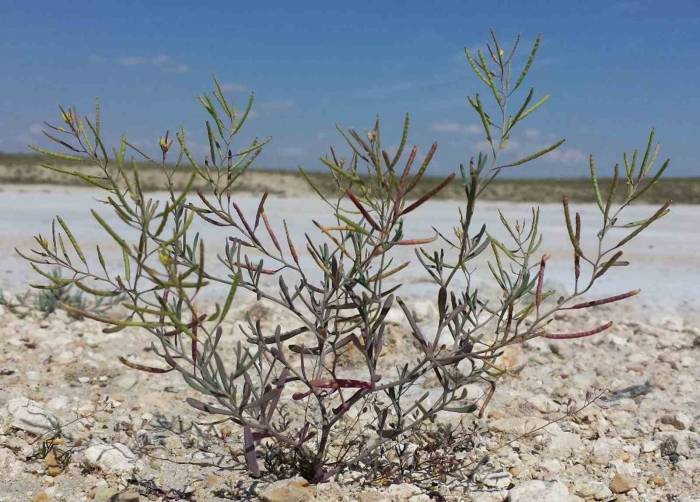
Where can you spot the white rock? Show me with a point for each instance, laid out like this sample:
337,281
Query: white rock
65,357
539,491
564,443
84,379
550,465
405,492
114,458
58,402
617,340
517,425
690,466
499,479
10,464
28,416
424,310
602,451
649,446
687,362
126,381
543,403
589,488
288,490
627,468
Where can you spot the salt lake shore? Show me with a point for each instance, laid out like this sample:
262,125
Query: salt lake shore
131,436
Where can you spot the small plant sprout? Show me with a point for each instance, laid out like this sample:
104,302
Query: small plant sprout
301,407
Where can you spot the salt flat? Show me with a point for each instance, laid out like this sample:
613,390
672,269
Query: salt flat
665,259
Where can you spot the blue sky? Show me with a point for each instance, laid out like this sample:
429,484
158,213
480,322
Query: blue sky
613,68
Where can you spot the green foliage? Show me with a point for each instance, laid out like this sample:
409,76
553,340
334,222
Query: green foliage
286,387
60,294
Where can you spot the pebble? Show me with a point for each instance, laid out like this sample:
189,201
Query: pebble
42,496
658,442
116,458
519,425
288,490
540,491
513,359
685,443
589,488
499,479
679,420
403,492
657,481
28,416
103,494
543,403
602,451
621,483
564,444
551,466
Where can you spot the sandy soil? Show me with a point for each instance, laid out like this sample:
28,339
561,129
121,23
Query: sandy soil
132,437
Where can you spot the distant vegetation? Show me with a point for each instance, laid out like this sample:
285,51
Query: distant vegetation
26,169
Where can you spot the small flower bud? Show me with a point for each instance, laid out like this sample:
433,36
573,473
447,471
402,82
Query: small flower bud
165,143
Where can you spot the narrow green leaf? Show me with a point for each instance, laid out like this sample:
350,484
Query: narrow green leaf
594,180
528,64
533,156
73,242
230,296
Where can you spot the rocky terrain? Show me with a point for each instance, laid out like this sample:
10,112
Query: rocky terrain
613,417
126,435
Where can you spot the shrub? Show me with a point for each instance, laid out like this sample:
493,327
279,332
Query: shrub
286,386
59,294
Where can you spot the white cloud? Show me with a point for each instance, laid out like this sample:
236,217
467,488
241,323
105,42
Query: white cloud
456,128
179,68
566,156
519,148
160,61
233,87
532,133
36,129
513,146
